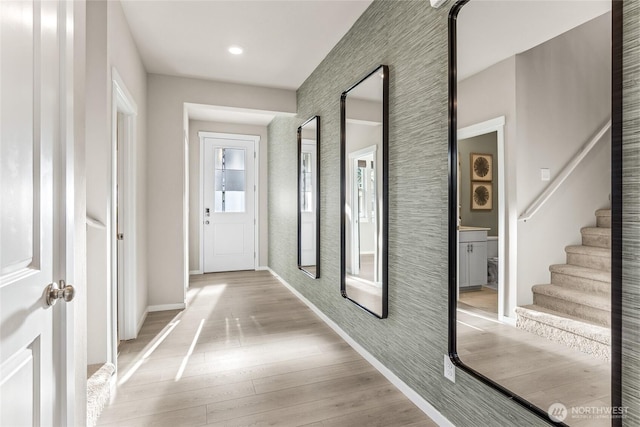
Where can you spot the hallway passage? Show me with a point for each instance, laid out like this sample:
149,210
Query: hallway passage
246,351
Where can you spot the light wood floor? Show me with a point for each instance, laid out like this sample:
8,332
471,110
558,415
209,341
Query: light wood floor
247,352
541,371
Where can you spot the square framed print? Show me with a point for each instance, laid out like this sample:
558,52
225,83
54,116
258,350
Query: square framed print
481,167
481,196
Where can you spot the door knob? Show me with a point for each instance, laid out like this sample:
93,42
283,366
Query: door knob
56,291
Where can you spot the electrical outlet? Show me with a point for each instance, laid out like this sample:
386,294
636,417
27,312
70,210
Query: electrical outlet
449,369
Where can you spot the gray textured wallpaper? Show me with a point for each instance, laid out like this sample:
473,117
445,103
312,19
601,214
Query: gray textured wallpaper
410,37
631,214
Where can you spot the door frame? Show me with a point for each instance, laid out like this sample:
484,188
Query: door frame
256,205
497,125
123,298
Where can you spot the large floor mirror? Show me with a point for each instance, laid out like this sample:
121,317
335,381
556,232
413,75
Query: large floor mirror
364,143
309,197
530,203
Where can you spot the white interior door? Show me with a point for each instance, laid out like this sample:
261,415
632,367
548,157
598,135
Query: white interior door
228,204
30,124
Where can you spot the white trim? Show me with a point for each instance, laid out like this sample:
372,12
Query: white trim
123,102
497,125
411,394
263,268
165,307
195,272
142,319
256,182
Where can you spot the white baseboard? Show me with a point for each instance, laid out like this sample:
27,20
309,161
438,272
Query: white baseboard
411,394
511,321
195,272
165,307
141,321
263,268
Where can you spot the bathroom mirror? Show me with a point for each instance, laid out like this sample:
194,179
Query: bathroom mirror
364,109
309,197
529,203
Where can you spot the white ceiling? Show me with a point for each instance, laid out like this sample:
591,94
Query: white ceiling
283,41
490,31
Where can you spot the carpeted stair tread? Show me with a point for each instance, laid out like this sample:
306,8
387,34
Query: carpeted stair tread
588,299
582,272
596,236
98,392
566,323
589,256
588,250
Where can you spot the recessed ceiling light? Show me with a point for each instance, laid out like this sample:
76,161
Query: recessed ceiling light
235,50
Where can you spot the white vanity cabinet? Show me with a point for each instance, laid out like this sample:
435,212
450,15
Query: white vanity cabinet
472,257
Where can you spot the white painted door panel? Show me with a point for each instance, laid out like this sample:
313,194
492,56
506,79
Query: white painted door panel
29,135
228,204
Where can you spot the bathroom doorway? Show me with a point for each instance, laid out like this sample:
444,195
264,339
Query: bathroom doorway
481,219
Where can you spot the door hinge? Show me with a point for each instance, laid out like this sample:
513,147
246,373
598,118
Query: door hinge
254,154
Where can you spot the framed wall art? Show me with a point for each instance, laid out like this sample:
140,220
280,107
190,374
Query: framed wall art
481,167
481,196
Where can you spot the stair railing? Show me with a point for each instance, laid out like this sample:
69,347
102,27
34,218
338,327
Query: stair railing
553,186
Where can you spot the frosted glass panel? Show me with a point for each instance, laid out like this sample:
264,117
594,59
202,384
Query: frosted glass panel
234,158
229,180
234,201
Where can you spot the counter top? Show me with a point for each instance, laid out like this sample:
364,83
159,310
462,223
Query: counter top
470,228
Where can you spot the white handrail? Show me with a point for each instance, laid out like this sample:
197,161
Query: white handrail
563,175
92,222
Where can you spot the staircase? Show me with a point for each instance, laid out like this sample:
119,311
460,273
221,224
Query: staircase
575,309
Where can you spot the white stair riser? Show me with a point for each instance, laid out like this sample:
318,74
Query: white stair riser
580,283
589,261
598,241
595,315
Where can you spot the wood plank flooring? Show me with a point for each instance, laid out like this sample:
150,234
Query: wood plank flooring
539,370
247,352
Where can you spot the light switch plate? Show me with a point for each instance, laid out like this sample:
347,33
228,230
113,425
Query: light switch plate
545,174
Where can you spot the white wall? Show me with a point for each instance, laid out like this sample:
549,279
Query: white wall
166,96
563,99
196,126
554,97
110,44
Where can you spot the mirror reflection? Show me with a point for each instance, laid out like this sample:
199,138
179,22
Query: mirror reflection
364,216
533,237
308,197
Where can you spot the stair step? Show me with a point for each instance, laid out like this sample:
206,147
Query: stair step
596,236
581,278
603,218
589,306
589,256
568,330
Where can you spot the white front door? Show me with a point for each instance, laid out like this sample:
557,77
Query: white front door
228,171
33,358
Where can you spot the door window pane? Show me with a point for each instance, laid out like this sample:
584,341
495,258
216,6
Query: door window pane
230,182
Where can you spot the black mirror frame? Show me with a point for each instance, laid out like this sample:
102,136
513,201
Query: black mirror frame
616,217
385,190
317,203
